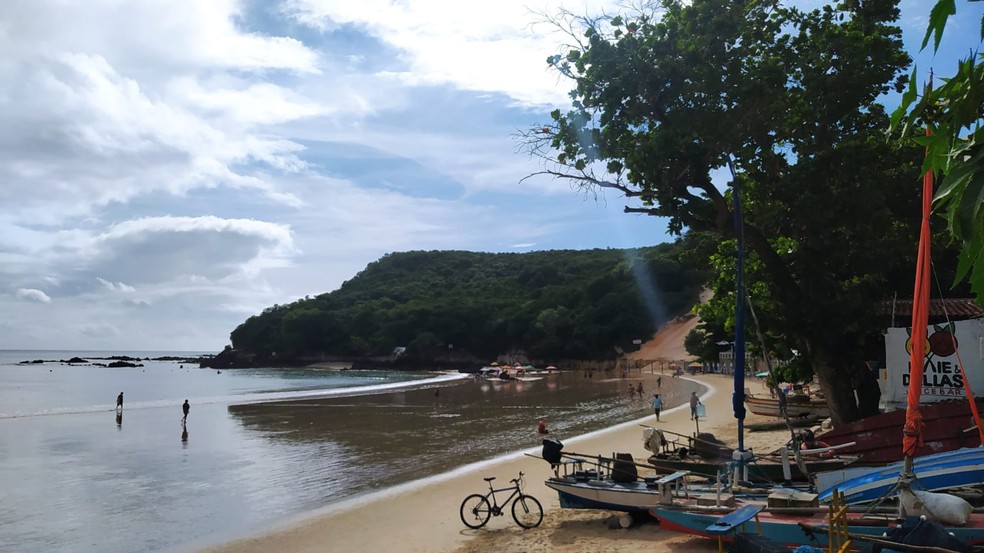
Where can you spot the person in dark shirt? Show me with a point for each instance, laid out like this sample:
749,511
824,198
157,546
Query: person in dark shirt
119,402
185,408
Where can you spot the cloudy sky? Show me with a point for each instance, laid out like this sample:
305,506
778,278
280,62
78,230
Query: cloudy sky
171,167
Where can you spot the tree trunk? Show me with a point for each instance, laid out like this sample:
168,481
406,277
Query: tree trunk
837,388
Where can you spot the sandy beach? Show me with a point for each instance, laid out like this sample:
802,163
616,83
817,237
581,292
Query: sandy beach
422,516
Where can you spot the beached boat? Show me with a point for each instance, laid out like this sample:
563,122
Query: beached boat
796,406
943,471
585,490
708,457
759,469
947,426
790,529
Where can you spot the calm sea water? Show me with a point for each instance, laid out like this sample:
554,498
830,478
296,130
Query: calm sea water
259,446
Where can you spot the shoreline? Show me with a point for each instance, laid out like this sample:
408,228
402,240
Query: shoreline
422,515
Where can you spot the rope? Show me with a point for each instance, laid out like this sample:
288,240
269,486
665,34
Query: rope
963,372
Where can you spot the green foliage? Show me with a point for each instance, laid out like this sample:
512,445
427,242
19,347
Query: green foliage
703,344
953,114
551,305
787,101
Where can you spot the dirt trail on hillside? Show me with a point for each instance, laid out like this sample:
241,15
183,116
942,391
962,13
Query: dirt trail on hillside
667,343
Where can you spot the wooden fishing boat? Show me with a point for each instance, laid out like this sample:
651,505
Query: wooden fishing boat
585,490
789,528
943,471
706,456
796,406
947,426
759,469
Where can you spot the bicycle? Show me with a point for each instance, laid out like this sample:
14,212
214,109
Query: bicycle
476,510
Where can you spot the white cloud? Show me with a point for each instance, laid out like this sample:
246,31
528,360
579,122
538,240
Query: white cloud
33,294
490,47
115,286
175,35
169,168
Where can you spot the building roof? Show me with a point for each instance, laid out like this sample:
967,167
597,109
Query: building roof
940,310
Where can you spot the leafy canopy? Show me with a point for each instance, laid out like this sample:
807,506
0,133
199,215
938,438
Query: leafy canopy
953,114
672,101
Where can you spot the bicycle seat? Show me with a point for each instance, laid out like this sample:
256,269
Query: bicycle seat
489,478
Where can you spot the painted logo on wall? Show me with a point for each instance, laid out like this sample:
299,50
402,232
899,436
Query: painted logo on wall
940,376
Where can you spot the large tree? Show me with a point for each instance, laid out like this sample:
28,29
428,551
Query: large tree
674,96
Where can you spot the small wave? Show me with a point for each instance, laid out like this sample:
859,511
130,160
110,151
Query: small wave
243,399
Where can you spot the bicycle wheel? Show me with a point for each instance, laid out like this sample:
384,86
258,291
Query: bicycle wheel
527,511
475,511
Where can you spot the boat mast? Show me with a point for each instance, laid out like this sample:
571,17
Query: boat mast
738,398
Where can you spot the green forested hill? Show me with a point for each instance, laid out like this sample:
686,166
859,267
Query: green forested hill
454,304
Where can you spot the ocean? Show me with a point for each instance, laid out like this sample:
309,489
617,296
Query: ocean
260,446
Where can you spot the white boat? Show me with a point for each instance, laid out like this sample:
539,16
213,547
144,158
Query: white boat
578,493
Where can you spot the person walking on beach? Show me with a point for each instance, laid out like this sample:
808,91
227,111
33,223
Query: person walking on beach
119,402
184,409
657,405
694,402
659,382
639,390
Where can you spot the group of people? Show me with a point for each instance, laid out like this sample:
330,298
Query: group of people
633,390
185,408
657,403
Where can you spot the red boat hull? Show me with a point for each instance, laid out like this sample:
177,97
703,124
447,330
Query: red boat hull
878,439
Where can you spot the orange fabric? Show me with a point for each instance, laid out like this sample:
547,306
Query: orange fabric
912,433
970,395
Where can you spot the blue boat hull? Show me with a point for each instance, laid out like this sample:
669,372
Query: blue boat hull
953,469
787,530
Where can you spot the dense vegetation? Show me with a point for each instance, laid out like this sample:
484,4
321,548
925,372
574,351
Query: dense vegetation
546,305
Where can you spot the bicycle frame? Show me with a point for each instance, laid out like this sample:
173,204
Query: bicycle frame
496,508
476,509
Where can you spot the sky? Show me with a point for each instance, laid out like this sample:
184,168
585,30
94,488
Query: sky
171,167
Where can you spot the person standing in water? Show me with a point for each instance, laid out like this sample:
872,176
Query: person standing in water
119,402
184,409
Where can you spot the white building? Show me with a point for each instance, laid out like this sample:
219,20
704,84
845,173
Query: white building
942,377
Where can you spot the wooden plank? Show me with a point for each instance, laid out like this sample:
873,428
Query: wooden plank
672,477
728,523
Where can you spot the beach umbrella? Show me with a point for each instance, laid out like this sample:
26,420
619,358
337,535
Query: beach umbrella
495,363
762,374
551,368
695,365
